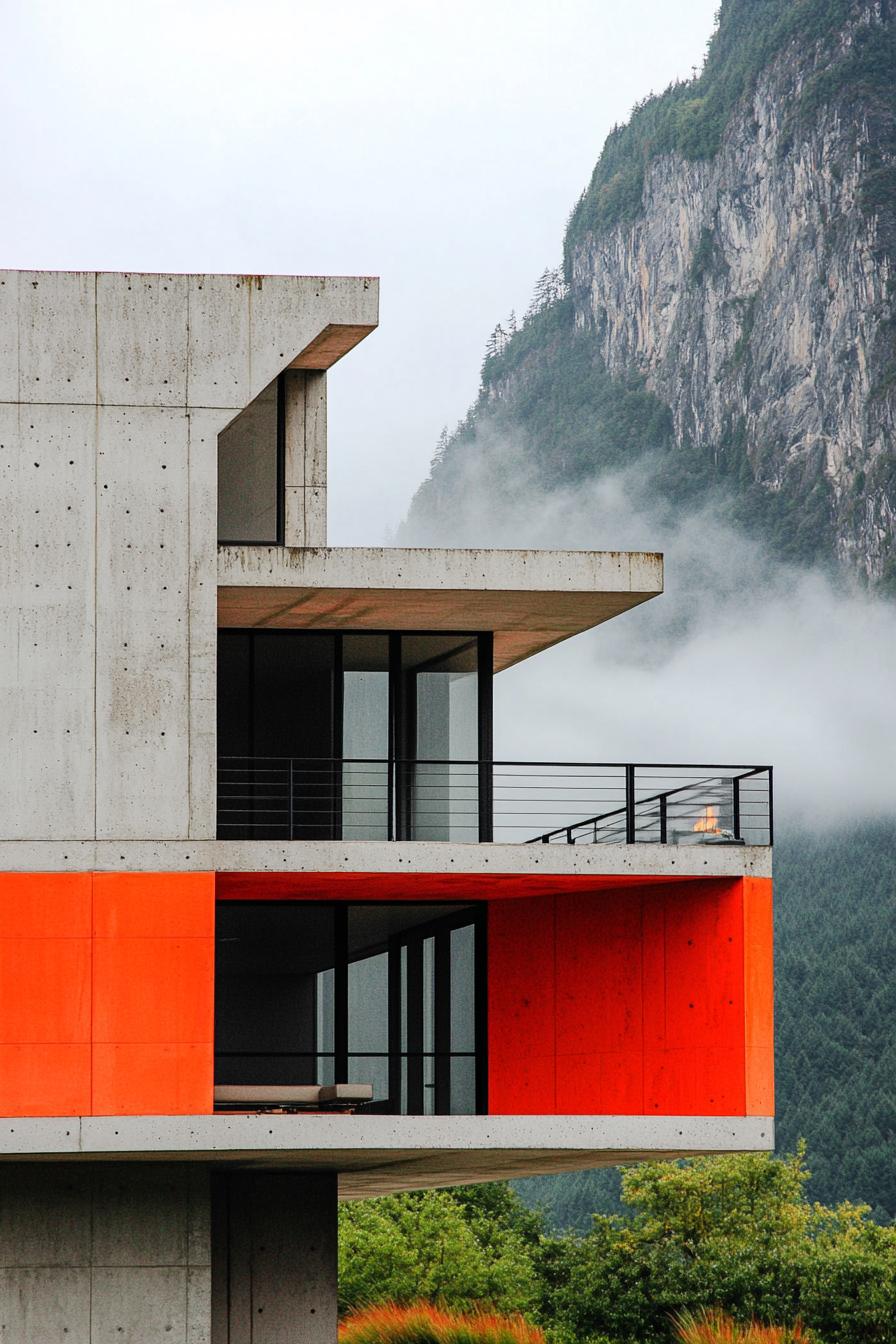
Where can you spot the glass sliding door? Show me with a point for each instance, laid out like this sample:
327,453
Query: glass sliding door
439,711
354,736
365,737
386,993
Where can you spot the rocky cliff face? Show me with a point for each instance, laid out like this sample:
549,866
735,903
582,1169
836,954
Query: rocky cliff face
756,289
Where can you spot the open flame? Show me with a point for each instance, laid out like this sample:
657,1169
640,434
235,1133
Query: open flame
708,821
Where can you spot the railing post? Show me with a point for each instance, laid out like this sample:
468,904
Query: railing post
771,814
289,767
735,805
485,790
629,804
664,818
390,798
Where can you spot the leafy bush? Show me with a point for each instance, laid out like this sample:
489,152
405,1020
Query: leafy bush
422,1323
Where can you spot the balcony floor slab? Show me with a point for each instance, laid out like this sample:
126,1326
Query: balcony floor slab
376,1155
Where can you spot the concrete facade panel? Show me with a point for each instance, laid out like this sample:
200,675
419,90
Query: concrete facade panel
9,336
96,1254
57,337
203,621
140,1215
142,671
218,350
49,1305
138,1306
47,645
141,323
45,1216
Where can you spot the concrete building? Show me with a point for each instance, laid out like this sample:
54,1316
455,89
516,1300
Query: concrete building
257,863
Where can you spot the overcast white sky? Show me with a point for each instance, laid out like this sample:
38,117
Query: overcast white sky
440,146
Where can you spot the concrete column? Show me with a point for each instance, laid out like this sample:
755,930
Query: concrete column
274,1258
305,468
91,1254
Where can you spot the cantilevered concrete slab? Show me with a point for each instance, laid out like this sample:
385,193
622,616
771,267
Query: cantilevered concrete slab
530,599
381,1154
419,867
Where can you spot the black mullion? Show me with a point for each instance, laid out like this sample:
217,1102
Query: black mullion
340,992
393,781
442,1022
485,666
414,1010
336,743
394,1026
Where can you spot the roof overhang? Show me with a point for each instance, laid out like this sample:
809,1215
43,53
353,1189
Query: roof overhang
530,599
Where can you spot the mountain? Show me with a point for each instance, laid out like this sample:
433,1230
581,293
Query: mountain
724,326
728,298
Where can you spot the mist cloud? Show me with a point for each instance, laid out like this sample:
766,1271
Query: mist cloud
743,659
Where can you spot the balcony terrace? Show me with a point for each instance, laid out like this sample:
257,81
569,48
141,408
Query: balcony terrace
300,798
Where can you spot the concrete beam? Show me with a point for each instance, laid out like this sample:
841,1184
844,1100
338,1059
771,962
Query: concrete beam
530,599
411,859
379,1154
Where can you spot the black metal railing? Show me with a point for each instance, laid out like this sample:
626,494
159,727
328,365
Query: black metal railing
548,802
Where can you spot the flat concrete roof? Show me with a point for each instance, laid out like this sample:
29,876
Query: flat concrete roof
381,1154
530,599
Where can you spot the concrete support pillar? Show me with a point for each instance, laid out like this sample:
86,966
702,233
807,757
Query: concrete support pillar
274,1258
91,1254
305,467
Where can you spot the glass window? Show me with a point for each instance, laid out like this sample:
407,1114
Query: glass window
440,699
365,737
378,992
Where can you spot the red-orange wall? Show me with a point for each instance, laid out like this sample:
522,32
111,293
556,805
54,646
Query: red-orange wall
106,993
637,1001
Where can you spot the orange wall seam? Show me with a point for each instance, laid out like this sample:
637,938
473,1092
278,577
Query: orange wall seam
106,993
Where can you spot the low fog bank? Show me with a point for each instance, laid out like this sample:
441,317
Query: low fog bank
743,660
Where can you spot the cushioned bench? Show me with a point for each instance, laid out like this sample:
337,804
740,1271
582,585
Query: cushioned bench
292,1097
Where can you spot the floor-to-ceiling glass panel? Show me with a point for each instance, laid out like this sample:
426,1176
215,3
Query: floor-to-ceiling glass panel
365,737
440,697
273,1024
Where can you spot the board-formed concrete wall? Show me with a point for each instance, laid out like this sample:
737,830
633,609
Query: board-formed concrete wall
113,390
112,1251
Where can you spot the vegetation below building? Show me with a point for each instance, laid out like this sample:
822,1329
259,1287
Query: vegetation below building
734,1233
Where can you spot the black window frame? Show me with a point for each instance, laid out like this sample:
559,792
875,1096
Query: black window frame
399,719
475,914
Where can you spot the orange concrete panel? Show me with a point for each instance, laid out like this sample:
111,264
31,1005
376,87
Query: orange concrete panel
524,1085
579,1085
622,1082
599,973
44,1080
153,990
152,1079
154,905
704,965
653,974
520,978
45,905
45,990
759,1023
